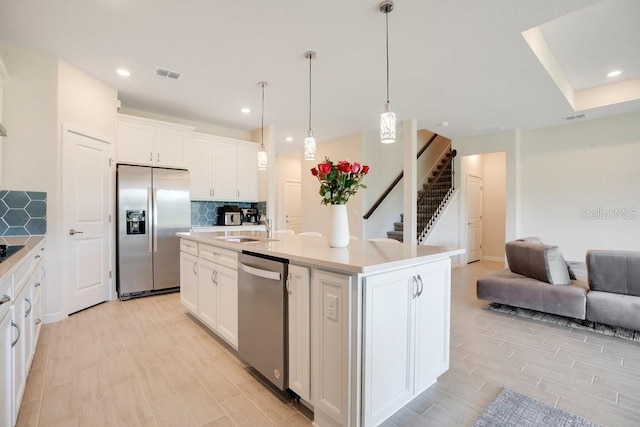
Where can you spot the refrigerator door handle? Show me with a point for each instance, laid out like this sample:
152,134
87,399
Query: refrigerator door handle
152,217
155,219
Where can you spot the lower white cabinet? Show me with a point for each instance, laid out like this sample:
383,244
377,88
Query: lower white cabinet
209,287
299,319
407,355
6,371
189,281
19,350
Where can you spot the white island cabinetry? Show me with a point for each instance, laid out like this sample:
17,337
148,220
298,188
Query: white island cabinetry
209,287
370,320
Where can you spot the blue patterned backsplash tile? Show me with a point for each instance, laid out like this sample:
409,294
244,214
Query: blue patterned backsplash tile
23,213
205,213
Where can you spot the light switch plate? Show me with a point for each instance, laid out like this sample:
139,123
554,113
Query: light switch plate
331,308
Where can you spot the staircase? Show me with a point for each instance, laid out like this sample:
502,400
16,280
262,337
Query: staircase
432,199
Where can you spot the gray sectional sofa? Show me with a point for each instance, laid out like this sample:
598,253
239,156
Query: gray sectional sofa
605,289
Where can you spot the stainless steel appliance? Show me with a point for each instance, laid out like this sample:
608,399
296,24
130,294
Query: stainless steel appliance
152,205
229,215
249,215
262,326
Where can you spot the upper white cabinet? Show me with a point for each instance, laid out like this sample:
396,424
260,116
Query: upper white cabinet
223,169
152,142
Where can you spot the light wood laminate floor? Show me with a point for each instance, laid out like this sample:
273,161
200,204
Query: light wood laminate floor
145,362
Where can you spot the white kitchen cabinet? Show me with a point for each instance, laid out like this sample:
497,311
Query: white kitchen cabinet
6,370
19,350
215,297
247,180
152,142
299,331
406,356
227,282
223,169
189,281
208,294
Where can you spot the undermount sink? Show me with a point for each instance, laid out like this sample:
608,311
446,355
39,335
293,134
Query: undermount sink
244,239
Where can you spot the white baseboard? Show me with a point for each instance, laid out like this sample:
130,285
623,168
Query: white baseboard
493,258
54,317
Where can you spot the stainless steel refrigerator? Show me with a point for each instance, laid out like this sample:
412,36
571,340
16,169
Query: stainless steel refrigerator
153,205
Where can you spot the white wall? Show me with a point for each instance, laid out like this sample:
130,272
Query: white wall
315,216
288,169
593,166
385,163
446,230
41,94
493,216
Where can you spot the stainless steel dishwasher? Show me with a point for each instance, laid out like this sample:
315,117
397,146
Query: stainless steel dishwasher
262,315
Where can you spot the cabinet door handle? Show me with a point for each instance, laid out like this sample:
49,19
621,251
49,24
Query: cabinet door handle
13,344
213,192
4,298
158,157
36,257
238,194
36,285
421,285
26,313
73,232
213,277
414,282
38,321
43,271
150,156
287,283
194,269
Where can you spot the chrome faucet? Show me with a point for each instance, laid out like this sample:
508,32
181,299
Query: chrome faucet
264,220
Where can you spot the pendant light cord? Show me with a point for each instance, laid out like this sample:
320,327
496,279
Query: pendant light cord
386,15
262,121
310,58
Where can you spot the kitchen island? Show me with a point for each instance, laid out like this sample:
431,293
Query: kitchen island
368,324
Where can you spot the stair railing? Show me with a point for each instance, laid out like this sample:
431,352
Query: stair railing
435,192
397,180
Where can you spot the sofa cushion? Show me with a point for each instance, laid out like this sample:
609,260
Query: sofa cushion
507,287
614,309
614,271
538,261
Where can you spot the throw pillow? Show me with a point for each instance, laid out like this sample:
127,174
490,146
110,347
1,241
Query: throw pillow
538,261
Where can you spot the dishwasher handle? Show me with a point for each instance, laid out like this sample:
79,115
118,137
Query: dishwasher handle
272,275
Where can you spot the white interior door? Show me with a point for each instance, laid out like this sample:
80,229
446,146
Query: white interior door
474,218
292,205
86,187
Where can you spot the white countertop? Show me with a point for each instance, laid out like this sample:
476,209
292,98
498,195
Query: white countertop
360,256
29,243
243,227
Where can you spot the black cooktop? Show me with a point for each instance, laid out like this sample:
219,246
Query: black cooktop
7,251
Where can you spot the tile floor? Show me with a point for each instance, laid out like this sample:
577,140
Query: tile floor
146,363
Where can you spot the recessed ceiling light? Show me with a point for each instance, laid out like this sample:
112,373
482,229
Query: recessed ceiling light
289,139
122,72
245,110
614,73
443,124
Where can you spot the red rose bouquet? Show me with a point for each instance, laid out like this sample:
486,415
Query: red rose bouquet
339,181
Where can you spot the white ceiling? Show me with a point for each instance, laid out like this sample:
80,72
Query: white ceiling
460,61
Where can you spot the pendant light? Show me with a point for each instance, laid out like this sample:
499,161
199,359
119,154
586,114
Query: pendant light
310,141
388,117
262,153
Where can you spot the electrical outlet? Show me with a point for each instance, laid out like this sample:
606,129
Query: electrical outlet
331,307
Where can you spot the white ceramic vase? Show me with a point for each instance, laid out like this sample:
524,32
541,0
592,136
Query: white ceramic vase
339,226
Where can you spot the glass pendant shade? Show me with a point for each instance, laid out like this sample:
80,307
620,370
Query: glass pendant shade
310,147
388,125
262,159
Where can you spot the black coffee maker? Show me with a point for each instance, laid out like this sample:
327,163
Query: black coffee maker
249,215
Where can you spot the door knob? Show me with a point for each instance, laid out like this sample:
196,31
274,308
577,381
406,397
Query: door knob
72,232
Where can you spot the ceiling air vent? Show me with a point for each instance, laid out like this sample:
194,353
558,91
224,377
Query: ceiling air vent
163,72
490,129
577,116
